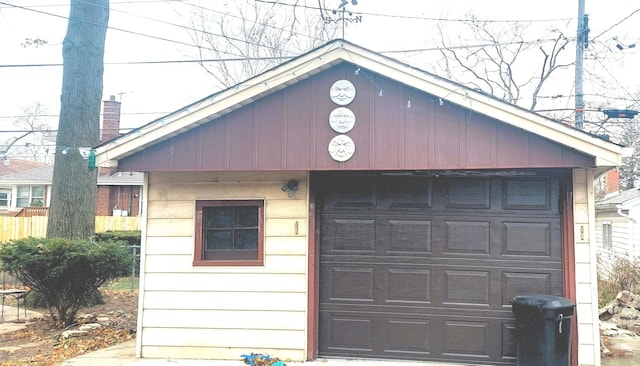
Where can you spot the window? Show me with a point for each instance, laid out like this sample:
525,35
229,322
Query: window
4,199
606,235
229,233
30,196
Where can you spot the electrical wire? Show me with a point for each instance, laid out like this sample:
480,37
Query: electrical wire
121,29
615,24
409,17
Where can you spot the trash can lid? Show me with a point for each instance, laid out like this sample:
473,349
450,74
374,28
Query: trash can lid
542,302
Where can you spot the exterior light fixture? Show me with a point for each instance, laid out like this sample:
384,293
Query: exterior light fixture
291,187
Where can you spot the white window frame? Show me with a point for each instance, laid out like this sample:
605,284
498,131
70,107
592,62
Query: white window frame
607,236
31,196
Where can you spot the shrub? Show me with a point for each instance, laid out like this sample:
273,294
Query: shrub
623,275
65,271
131,237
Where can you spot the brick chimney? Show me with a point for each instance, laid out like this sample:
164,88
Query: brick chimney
612,181
110,119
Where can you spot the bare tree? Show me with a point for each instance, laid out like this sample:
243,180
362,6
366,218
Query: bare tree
246,38
502,62
630,169
74,188
36,135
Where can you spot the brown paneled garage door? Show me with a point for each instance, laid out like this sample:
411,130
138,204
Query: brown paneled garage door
425,267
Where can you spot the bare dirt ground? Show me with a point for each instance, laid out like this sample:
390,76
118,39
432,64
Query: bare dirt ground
41,343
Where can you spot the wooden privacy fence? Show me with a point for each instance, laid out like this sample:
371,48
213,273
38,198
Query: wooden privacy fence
36,226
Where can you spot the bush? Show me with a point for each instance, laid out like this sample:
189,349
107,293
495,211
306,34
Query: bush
66,272
623,275
131,237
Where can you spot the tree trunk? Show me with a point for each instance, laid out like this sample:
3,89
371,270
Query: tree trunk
73,206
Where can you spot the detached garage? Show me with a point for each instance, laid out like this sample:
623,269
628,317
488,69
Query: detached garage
344,204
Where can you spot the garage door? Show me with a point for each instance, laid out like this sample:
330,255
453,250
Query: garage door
425,267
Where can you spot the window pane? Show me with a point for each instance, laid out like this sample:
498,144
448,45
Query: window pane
37,192
23,191
22,202
220,217
246,217
219,239
246,239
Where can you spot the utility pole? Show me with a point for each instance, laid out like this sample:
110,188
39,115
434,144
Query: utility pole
581,44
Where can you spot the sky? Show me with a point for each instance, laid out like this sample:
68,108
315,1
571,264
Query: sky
157,30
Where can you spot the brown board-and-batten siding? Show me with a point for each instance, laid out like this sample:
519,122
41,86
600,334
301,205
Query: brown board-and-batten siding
222,312
402,129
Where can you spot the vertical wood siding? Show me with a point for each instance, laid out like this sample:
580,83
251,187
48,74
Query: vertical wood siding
289,130
223,312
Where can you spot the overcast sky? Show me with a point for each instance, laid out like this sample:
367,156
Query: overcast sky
149,91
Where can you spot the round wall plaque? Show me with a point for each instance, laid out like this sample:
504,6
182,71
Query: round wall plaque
342,92
341,148
342,119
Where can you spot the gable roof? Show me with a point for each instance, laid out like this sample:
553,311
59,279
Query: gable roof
625,199
15,166
606,154
44,176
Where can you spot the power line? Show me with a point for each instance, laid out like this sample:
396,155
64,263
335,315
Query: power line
159,62
616,24
408,17
125,30
239,59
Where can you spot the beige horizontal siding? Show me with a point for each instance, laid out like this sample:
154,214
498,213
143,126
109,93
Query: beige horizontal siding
188,310
166,246
216,353
226,282
225,319
214,337
210,300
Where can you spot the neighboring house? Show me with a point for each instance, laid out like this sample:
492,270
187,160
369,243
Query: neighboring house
618,227
344,204
10,167
28,184
32,188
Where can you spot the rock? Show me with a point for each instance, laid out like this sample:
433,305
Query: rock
625,298
74,333
9,349
629,314
103,319
86,318
606,310
90,326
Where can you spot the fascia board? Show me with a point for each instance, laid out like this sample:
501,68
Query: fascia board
606,153
218,105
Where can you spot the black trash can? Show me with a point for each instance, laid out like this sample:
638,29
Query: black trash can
543,330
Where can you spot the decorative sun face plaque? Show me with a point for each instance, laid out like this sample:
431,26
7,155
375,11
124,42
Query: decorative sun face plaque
342,120
342,92
341,148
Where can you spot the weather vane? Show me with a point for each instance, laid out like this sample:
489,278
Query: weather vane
342,15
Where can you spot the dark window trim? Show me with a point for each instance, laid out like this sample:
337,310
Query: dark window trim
198,260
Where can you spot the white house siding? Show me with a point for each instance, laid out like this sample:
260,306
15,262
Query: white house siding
585,261
622,239
223,312
634,233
